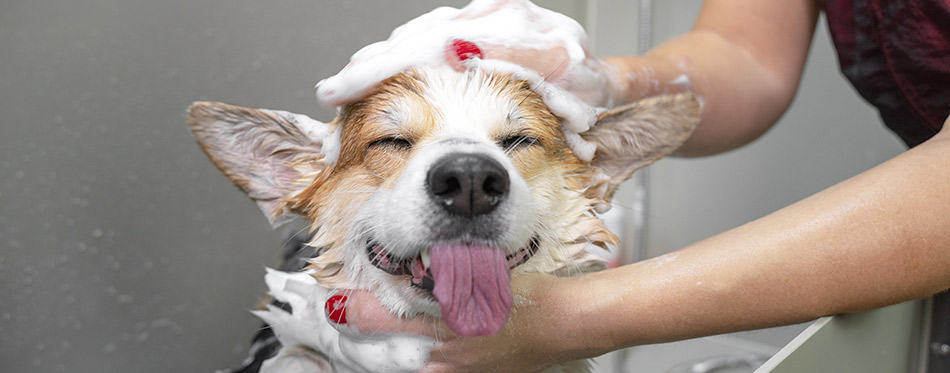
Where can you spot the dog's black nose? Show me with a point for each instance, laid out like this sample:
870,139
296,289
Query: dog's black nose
468,184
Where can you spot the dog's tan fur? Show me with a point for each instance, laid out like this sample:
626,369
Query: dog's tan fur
270,156
556,177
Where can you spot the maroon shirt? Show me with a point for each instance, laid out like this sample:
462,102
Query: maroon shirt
897,55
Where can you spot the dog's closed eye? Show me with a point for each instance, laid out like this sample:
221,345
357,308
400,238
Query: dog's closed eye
394,143
516,142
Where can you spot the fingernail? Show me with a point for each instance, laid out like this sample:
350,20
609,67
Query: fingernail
465,49
336,309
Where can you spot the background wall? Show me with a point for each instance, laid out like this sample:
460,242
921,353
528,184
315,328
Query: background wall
123,249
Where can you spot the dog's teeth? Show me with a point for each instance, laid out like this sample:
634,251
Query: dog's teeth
425,258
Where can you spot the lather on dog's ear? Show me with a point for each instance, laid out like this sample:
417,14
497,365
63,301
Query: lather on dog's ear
636,135
269,154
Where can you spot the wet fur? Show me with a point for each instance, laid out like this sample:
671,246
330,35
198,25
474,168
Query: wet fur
285,169
555,177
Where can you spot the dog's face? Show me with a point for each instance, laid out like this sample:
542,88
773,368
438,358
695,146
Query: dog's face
439,185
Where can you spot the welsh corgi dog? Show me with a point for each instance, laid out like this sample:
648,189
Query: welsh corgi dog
437,188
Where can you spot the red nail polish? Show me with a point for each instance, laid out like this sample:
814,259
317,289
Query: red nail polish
465,49
336,309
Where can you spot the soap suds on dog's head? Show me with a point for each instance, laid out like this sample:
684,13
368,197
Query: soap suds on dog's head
457,37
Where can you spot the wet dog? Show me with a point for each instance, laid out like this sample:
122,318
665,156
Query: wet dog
438,187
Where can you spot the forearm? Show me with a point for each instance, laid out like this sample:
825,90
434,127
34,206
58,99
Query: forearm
744,58
879,238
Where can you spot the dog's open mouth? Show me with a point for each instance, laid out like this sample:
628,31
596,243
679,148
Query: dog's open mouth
419,267
470,281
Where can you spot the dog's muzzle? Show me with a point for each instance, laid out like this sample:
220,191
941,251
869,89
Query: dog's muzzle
465,265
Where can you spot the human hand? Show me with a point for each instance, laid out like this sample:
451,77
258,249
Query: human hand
537,335
591,80
520,33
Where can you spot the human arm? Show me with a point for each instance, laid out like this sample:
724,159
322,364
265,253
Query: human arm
745,58
876,239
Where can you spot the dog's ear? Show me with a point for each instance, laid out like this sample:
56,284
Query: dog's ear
638,134
269,154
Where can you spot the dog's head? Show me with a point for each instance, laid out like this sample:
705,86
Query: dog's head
438,185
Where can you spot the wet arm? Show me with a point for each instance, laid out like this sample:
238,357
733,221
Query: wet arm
744,57
879,238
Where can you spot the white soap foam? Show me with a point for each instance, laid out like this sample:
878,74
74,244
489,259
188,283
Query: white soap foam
574,95
682,80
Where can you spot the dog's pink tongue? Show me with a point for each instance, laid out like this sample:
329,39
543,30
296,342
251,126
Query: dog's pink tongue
472,286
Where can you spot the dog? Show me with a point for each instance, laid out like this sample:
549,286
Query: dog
432,191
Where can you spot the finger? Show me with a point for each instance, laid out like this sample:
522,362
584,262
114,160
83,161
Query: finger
457,51
360,309
550,63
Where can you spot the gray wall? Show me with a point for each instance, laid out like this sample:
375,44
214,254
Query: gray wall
123,249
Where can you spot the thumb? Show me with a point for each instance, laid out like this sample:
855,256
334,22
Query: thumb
362,310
